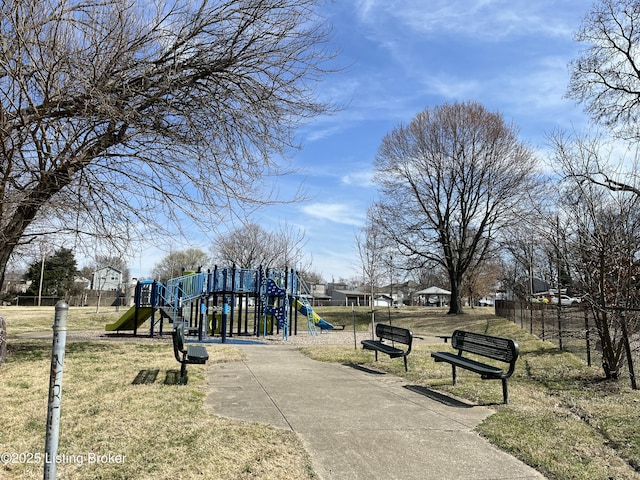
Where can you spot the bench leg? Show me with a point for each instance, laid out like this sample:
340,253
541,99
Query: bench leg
405,364
376,352
183,373
505,392
453,373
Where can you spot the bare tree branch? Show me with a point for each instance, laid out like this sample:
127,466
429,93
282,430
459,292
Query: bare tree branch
126,114
450,180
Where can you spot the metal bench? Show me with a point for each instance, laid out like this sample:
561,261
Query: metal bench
386,332
496,348
193,354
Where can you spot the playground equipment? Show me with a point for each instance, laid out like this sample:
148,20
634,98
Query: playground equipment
210,303
145,297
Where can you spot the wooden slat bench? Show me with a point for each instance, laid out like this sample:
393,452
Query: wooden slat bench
386,332
496,348
193,354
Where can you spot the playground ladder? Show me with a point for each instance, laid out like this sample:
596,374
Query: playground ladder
311,323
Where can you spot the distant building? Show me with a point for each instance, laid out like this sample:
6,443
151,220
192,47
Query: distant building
106,279
383,300
82,282
15,283
318,292
349,298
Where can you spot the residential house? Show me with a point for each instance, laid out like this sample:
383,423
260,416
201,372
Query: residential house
106,279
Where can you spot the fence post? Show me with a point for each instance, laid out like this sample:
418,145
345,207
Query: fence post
542,310
587,336
559,309
530,317
521,315
55,390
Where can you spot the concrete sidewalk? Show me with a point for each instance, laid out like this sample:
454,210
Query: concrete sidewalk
358,423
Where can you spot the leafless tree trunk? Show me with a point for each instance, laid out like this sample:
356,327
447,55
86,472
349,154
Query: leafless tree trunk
119,116
372,250
450,180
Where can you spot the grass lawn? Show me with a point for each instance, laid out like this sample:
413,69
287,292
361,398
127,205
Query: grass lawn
152,430
563,418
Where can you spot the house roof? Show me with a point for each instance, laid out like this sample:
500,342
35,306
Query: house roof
350,292
433,291
108,267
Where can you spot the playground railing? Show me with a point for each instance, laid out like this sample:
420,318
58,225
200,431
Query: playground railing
185,288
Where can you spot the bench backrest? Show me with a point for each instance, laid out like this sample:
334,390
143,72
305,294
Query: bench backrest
178,342
503,349
395,334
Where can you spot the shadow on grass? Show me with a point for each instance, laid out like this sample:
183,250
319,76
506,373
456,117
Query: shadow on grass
146,377
34,350
149,376
173,378
438,397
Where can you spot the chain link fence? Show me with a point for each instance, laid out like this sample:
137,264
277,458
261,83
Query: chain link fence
572,328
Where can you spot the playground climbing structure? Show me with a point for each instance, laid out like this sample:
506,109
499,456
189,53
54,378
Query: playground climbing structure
221,302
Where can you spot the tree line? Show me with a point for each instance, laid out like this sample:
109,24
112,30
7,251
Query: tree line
461,193
127,119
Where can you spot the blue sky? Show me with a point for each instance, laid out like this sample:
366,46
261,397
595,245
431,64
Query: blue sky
399,58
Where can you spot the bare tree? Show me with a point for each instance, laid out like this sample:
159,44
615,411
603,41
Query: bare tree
119,115
373,248
173,265
603,230
607,76
245,247
482,281
449,181
252,246
287,243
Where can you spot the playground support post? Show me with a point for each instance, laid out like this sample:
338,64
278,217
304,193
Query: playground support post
202,317
225,313
55,389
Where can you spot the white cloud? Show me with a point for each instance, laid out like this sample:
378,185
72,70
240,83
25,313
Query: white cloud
489,20
359,179
451,87
335,212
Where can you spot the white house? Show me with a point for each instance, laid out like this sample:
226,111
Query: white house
106,279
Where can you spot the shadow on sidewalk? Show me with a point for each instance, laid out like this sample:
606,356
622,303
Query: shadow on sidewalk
438,397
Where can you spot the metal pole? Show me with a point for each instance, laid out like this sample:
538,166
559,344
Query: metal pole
627,347
587,336
55,389
353,315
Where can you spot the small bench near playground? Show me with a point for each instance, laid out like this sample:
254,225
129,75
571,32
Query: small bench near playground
389,333
496,348
193,354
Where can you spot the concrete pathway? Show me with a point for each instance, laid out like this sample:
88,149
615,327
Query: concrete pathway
359,423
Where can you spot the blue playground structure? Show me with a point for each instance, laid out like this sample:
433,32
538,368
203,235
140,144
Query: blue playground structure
219,303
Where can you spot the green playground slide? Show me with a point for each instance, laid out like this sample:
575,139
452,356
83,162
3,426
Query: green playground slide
128,320
317,319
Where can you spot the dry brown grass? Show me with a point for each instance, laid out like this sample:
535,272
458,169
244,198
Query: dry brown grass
159,429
